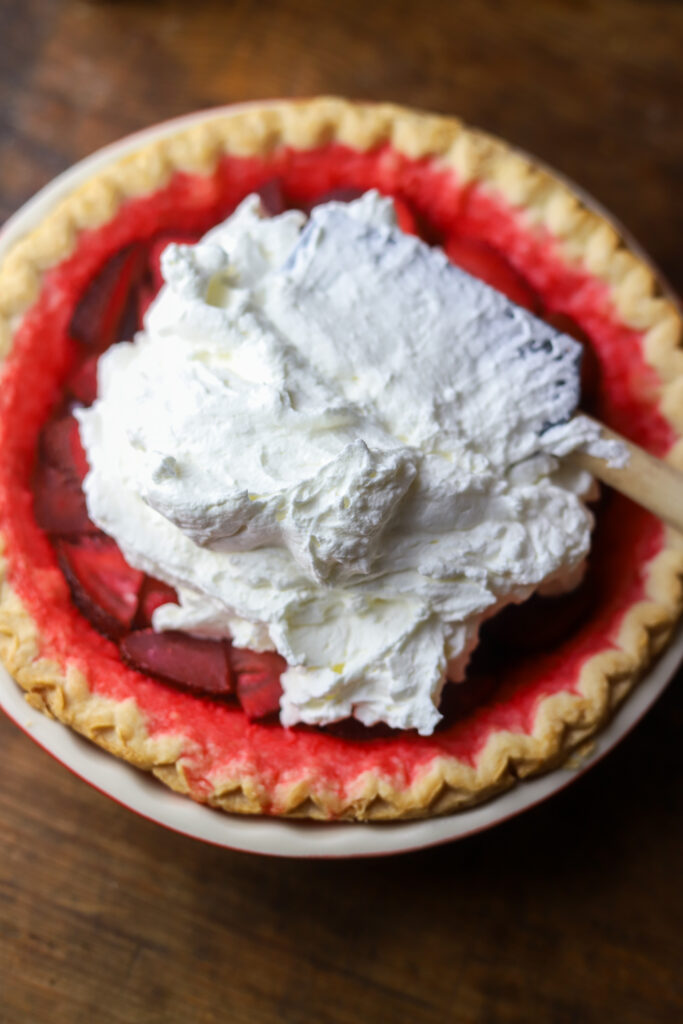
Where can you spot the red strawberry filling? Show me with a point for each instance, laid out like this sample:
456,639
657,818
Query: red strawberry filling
107,591
88,302
103,314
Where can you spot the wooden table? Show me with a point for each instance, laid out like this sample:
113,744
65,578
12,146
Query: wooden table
573,913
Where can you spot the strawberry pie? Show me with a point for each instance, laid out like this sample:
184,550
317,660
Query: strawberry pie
332,566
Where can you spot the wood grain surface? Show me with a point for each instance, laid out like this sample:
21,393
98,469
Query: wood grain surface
572,913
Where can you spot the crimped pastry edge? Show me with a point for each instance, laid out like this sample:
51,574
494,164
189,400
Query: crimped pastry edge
563,720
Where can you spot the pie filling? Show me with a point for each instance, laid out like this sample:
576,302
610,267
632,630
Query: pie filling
66,571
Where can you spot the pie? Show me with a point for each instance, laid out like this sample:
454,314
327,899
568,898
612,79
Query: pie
75,618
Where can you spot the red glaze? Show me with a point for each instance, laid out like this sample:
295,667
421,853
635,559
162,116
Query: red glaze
219,736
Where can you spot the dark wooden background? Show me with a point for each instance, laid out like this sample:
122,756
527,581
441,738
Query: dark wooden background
572,913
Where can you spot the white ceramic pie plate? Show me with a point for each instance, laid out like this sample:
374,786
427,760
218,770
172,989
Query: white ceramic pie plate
141,793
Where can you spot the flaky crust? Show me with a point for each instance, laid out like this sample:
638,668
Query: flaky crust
564,720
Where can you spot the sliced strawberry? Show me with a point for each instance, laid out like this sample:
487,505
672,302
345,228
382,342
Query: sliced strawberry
60,446
590,366
405,216
258,680
146,295
539,624
59,503
200,665
81,383
129,324
101,317
154,593
154,254
334,195
104,587
483,261
272,197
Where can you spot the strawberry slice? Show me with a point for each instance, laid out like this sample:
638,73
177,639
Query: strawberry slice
154,593
102,315
540,623
60,447
146,295
198,664
258,680
58,501
59,505
483,261
81,384
590,365
272,197
334,195
104,587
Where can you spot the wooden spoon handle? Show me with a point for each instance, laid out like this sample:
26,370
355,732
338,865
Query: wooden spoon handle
650,482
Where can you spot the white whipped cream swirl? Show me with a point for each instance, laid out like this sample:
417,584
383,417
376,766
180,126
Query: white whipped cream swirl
335,444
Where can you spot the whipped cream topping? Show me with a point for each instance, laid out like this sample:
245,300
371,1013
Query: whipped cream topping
334,443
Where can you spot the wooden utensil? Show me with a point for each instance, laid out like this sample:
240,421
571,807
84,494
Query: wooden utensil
648,481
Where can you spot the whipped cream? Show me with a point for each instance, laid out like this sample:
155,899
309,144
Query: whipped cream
334,443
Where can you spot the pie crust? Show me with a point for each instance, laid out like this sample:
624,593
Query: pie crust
63,687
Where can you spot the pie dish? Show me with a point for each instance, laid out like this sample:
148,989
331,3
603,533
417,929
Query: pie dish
497,213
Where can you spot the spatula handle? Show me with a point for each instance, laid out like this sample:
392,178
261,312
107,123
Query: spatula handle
648,481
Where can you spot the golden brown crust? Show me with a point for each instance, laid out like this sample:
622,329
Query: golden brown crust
564,720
